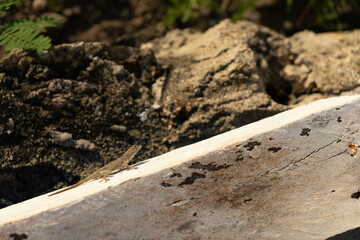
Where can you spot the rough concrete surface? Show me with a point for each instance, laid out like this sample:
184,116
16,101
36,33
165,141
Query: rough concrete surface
290,176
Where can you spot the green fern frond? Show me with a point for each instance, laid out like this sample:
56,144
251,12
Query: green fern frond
26,39
6,4
47,22
25,34
24,24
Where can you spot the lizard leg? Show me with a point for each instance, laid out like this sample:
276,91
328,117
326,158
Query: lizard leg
131,167
105,179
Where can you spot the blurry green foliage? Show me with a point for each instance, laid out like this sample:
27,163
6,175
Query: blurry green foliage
326,13
241,7
55,5
24,33
183,10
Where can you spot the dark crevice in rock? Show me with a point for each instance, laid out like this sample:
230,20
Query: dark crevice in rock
269,65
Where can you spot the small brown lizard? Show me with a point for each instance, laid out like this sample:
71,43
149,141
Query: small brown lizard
116,165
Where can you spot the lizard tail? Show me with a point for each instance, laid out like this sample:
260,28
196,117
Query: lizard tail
60,191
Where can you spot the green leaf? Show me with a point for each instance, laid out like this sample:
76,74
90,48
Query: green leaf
47,22
6,4
25,34
24,24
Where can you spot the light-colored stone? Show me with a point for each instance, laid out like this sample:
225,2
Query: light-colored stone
213,83
290,176
332,60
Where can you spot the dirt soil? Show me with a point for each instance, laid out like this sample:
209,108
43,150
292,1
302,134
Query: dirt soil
82,105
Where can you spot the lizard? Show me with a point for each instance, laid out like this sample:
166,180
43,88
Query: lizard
105,171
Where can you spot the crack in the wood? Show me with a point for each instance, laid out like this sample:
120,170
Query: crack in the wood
321,148
335,155
308,155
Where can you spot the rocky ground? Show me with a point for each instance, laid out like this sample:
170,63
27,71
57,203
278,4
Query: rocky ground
135,81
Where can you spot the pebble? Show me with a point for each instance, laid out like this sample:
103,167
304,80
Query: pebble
143,116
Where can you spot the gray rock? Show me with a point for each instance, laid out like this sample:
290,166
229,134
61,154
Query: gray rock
66,140
61,138
143,116
84,145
